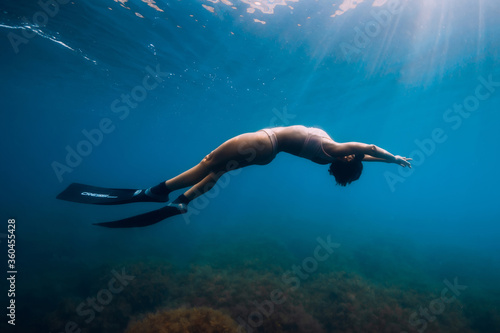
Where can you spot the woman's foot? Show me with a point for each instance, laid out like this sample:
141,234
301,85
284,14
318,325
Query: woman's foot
179,207
158,193
181,204
156,197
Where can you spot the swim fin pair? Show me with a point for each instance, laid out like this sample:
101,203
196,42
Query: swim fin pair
88,194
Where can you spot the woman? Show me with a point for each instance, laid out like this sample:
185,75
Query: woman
257,148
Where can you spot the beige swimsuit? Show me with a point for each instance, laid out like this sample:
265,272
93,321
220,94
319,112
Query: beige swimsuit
312,149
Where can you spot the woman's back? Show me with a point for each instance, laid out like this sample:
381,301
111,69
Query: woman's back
304,142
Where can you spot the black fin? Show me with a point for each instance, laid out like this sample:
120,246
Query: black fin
102,196
149,218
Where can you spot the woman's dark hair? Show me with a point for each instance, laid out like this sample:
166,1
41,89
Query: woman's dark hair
345,172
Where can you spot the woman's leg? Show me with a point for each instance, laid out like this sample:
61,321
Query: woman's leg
191,176
240,151
204,185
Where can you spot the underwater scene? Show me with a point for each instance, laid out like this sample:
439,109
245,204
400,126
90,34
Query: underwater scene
214,166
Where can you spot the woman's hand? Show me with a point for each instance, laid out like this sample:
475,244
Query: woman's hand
403,161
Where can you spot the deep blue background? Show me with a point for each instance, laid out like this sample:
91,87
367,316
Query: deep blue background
229,74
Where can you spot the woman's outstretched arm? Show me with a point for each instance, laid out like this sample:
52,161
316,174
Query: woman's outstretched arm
375,153
399,160
369,158
384,155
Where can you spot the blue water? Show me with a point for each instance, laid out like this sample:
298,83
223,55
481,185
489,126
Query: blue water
417,78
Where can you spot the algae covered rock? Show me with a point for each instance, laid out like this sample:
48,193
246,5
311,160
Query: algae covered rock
183,320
